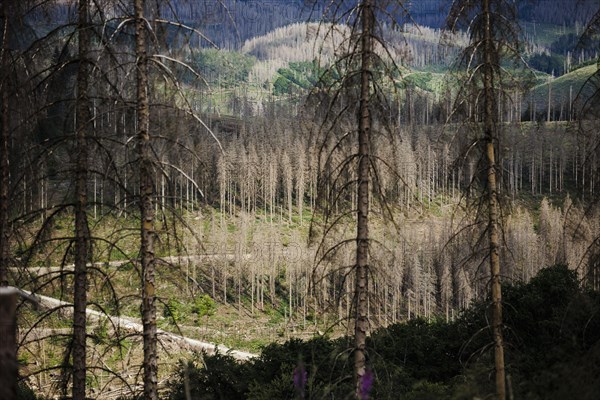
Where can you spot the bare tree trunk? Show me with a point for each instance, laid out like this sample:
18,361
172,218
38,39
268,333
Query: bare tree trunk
8,345
4,142
82,233
489,128
362,237
146,208
300,182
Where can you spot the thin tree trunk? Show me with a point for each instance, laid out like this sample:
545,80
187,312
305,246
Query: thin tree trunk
82,233
8,345
362,238
146,209
4,143
489,127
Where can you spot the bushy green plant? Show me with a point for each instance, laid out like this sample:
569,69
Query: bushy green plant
204,306
175,310
205,377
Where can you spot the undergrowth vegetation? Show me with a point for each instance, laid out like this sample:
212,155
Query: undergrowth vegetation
553,352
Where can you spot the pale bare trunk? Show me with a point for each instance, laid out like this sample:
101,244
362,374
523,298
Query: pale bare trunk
362,238
490,137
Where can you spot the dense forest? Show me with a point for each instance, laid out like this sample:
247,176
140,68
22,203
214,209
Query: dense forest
299,199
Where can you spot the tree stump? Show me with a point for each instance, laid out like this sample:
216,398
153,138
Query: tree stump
8,346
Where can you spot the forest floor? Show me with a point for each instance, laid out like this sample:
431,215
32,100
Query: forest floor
115,354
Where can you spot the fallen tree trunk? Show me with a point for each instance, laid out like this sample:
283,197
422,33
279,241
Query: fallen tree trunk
131,325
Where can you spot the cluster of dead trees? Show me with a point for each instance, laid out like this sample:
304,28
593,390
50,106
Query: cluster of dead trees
427,269
271,171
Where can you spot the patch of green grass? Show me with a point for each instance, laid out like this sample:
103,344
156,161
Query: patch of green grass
254,345
563,88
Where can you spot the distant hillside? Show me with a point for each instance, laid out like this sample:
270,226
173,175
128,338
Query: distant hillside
562,91
292,43
231,22
418,47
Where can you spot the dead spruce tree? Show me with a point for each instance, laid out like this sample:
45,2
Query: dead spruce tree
61,117
151,64
23,75
146,204
8,366
5,80
82,230
353,100
494,40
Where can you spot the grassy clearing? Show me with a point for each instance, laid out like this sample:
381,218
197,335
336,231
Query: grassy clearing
564,88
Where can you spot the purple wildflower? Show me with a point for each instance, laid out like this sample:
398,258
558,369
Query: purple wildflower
366,384
300,379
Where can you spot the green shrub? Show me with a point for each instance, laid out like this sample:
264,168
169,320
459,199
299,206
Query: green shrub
218,376
204,306
175,311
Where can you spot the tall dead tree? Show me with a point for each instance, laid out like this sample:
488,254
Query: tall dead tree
4,144
364,171
494,39
146,204
490,119
82,231
353,110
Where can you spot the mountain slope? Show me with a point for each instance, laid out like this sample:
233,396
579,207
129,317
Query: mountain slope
561,91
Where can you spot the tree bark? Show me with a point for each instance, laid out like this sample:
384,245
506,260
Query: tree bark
82,232
8,345
4,143
489,131
146,208
362,237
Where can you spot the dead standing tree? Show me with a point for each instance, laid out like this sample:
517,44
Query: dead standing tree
9,62
82,231
146,204
353,100
362,224
5,89
494,39
147,37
